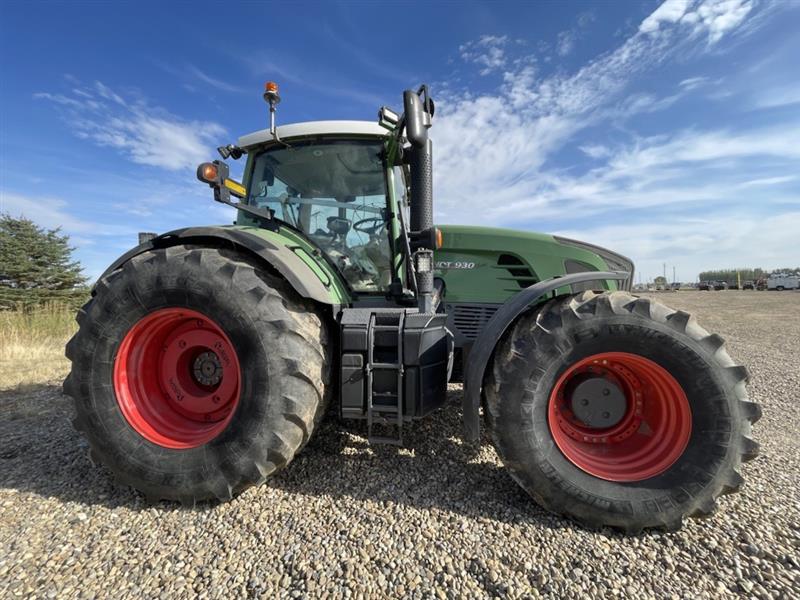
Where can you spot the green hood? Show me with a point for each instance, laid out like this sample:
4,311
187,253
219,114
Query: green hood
488,264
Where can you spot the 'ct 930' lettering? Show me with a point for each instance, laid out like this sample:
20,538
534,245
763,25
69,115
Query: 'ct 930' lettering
454,264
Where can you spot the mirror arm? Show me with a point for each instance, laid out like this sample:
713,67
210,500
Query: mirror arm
258,213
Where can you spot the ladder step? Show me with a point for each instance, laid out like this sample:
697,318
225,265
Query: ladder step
385,366
385,408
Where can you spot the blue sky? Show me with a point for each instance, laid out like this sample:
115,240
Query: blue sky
667,131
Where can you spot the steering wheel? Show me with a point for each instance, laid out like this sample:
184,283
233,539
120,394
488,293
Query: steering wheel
379,223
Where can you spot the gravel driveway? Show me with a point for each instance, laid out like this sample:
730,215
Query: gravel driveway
431,520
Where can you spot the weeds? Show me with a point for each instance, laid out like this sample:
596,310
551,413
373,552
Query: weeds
32,344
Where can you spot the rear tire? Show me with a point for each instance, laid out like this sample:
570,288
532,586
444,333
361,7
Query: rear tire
279,345
538,352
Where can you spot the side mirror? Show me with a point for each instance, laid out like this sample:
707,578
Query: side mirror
418,110
216,175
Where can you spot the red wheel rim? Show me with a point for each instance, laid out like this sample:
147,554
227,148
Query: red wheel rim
177,378
645,441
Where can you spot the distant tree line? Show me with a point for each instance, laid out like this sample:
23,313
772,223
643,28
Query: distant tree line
745,274
36,266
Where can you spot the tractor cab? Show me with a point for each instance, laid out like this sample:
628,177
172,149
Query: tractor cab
330,181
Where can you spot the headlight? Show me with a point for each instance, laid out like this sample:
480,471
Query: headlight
615,262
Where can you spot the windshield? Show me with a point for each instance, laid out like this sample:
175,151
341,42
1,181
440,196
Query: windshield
335,192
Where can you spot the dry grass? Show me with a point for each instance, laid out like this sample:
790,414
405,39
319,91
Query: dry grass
32,345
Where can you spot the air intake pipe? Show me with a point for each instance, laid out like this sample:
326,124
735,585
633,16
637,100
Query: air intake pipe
418,112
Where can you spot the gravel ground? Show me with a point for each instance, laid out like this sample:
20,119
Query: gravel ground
431,520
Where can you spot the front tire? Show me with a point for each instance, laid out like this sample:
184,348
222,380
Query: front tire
668,456
196,373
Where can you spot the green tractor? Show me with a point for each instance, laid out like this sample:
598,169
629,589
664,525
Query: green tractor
207,356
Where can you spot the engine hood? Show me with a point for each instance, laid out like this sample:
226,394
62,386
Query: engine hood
489,264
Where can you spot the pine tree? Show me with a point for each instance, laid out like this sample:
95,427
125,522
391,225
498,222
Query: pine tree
34,257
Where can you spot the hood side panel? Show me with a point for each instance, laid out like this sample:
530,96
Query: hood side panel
489,265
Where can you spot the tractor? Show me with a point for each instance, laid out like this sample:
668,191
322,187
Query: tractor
207,356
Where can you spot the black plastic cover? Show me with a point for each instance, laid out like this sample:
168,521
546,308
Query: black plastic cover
426,345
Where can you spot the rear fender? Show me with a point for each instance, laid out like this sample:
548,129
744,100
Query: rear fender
286,262
483,347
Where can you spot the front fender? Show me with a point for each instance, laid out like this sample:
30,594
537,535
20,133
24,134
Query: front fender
483,347
315,284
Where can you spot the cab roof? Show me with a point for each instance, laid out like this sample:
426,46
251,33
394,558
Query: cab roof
313,128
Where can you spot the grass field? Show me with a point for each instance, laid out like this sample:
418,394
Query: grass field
32,345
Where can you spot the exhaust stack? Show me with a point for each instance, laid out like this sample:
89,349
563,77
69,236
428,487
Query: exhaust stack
418,115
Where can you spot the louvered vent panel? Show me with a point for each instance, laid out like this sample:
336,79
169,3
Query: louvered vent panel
471,319
517,269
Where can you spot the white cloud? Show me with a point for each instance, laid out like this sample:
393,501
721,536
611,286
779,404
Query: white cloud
699,168
639,103
585,19
50,212
669,12
769,181
699,147
213,81
721,16
595,150
715,17
65,101
488,52
778,97
692,82
109,94
145,134
191,73
565,42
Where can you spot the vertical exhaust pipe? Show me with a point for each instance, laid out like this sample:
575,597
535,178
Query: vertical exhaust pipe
423,236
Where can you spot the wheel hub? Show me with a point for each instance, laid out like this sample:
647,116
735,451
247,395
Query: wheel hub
207,369
598,403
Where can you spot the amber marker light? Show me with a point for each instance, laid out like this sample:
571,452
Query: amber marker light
207,172
439,237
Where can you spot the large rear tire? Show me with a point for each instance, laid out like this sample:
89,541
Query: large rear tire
196,373
678,416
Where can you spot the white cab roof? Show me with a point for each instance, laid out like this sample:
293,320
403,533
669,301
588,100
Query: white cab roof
311,128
